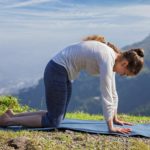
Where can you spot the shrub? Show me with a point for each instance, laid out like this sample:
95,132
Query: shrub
12,103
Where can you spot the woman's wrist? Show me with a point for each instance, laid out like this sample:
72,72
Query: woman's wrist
115,118
110,124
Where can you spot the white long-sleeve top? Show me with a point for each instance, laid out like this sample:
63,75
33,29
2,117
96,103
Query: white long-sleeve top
95,58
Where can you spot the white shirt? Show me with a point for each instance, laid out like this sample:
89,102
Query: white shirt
95,58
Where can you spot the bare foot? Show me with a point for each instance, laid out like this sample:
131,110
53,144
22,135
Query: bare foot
4,119
9,112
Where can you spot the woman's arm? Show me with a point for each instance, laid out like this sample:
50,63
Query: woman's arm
106,90
115,99
106,78
115,96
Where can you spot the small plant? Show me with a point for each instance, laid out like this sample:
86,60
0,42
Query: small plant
10,102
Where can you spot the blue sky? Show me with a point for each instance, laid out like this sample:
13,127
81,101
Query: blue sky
32,31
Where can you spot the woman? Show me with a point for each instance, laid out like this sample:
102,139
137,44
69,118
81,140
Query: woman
96,57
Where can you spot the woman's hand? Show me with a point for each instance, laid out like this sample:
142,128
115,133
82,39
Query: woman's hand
120,130
119,122
111,128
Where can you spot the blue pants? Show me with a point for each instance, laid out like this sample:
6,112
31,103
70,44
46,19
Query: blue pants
57,92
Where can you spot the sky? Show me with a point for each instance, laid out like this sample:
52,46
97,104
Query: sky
32,31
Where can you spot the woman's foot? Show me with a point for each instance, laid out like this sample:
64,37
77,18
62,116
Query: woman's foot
9,112
4,119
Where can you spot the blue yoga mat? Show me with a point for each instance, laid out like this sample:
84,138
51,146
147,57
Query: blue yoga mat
90,126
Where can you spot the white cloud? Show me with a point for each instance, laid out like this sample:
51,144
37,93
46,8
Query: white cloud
29,3
13,87
83,14
76,17
135,10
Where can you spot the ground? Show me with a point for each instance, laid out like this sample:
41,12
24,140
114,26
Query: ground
69,140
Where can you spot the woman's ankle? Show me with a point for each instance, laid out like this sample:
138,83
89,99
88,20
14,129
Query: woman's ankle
5,120
10,112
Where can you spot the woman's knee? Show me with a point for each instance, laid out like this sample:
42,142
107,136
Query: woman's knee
50,122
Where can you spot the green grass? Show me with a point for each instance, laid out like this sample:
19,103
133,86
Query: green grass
129,118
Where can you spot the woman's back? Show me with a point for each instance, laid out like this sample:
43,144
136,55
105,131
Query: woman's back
86,55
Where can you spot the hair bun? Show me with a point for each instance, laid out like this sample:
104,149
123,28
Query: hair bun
139,51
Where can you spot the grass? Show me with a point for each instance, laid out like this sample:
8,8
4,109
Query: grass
129,118
69,140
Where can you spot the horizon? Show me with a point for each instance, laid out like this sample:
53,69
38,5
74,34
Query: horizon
32,31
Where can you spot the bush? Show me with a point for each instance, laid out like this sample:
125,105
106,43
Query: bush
12,103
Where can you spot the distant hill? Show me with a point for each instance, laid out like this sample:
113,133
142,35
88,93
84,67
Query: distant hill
134,95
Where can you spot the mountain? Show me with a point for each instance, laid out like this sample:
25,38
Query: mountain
134,95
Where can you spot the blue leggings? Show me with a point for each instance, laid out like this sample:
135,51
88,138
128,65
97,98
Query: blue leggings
57,92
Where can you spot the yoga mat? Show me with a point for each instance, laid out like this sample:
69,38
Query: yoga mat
89,126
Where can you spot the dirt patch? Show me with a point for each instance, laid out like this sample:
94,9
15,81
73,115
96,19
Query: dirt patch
21,143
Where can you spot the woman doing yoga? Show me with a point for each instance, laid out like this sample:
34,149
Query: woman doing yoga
96,57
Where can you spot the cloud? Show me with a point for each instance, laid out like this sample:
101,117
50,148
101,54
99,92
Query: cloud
135,10
79,17
29,3
47,17
14,87
74,19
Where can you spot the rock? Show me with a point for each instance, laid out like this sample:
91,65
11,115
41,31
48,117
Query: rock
18,143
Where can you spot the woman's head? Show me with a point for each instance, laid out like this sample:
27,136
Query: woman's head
129,62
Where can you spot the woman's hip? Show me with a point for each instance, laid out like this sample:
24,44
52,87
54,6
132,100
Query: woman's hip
55,72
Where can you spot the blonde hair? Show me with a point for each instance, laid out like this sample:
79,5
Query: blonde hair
98,38
101,39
